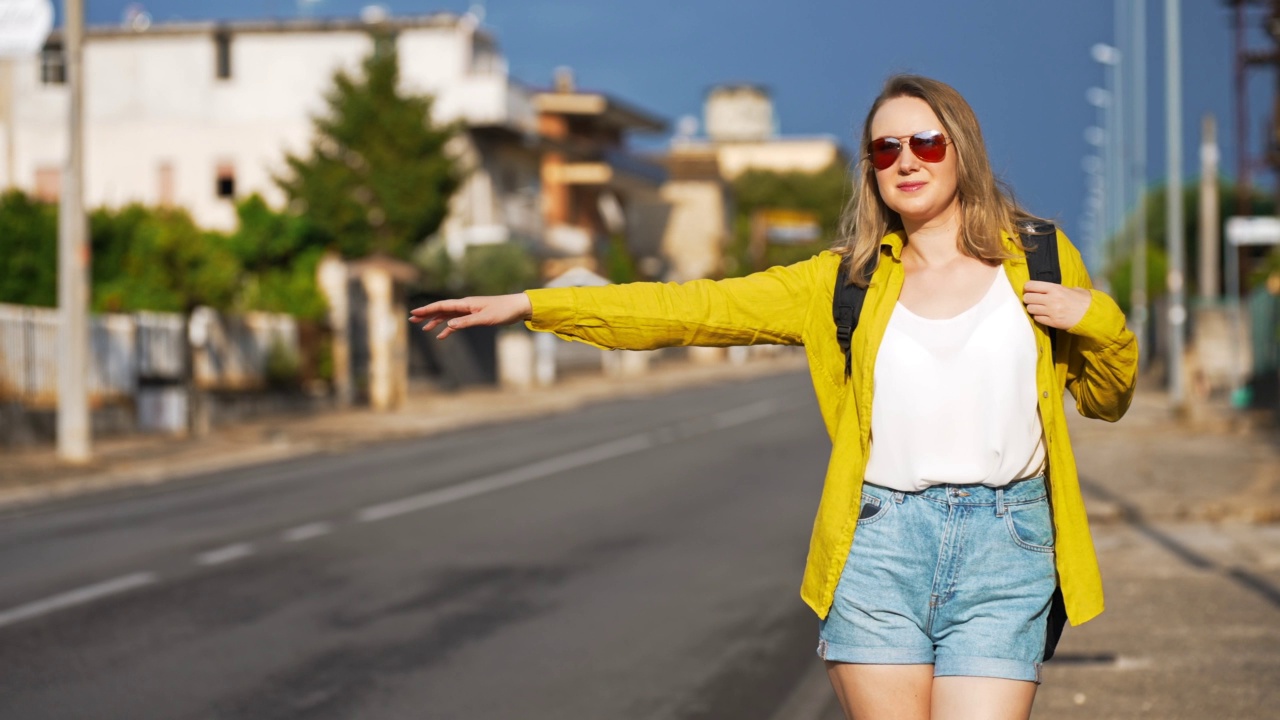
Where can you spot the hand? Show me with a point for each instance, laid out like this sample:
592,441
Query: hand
1054,305
472,311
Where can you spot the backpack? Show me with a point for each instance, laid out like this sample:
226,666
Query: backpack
1041,241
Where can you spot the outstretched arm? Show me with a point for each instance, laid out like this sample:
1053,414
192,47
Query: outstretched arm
767,307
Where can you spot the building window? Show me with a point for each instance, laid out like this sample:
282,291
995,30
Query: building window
226,183
53,65
164,176
222,55
48,183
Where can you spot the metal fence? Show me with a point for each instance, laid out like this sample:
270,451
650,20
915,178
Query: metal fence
143,350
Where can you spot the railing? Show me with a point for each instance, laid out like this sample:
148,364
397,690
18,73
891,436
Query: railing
146,348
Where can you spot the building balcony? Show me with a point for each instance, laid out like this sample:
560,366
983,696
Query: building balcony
488,101
614,169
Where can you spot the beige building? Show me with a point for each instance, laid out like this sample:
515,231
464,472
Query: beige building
593,188
741,135
701,217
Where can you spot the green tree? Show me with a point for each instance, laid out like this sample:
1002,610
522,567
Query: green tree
377,179
278,253
29,246
1120,247
822,193
158,259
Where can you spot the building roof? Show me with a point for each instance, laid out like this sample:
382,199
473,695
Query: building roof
281,25
608,108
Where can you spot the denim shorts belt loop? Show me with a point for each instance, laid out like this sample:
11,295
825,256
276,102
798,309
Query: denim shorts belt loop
957,576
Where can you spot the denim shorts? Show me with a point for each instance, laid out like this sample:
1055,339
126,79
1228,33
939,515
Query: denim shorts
957,576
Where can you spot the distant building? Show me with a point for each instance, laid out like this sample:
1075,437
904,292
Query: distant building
199,114
592,187
701,219
743,129
741,135
739,113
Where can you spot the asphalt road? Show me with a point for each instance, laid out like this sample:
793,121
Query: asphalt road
637,559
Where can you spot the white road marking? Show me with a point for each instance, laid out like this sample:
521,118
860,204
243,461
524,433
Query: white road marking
745,414
225,554
545,468
579,458
306,532
76,597
480,486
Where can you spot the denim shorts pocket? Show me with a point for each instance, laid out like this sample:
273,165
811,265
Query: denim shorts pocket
1031,525
873,508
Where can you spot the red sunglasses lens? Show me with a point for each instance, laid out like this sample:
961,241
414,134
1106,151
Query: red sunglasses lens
930,147
884,152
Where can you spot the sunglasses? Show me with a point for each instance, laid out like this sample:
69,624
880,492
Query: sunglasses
928,145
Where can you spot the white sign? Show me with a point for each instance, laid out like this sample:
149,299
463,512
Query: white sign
1253,230
24,25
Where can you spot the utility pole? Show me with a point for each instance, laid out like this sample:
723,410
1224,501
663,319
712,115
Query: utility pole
1138,264
73,260
1119,97
1177,320
1209,209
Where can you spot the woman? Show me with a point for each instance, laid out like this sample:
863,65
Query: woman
938,545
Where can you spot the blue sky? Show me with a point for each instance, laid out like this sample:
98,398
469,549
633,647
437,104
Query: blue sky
1023,64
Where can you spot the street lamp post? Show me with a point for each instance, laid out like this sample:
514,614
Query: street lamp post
1173,197
1109,56
1138,265
1100,137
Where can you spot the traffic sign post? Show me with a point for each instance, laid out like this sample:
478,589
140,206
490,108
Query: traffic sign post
1242,231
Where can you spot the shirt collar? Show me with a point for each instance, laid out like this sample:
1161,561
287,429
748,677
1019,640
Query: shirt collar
894,242
896,239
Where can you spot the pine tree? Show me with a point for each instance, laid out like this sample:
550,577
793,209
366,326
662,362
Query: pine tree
378,179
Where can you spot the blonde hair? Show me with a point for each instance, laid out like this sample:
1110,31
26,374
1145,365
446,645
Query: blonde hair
986,205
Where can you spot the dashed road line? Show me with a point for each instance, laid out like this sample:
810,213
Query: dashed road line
480,486
306,532
78,596
225,554
588,456
545,468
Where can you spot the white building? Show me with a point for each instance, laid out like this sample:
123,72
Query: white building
743,131
197,115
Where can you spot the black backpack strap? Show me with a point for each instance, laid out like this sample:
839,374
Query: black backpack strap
1041,241
846,307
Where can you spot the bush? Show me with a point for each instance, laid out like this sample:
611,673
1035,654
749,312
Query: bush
29,246
498,269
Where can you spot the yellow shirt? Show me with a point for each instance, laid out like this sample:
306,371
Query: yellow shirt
1096,361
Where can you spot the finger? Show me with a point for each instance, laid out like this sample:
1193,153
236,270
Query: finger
442,307
1039,286
1037,309
433,323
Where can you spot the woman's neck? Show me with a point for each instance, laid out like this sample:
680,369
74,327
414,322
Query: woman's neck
934,241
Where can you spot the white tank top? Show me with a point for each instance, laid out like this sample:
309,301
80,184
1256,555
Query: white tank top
955,399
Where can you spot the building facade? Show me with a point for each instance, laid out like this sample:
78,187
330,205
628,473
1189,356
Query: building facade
594,189
198,115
